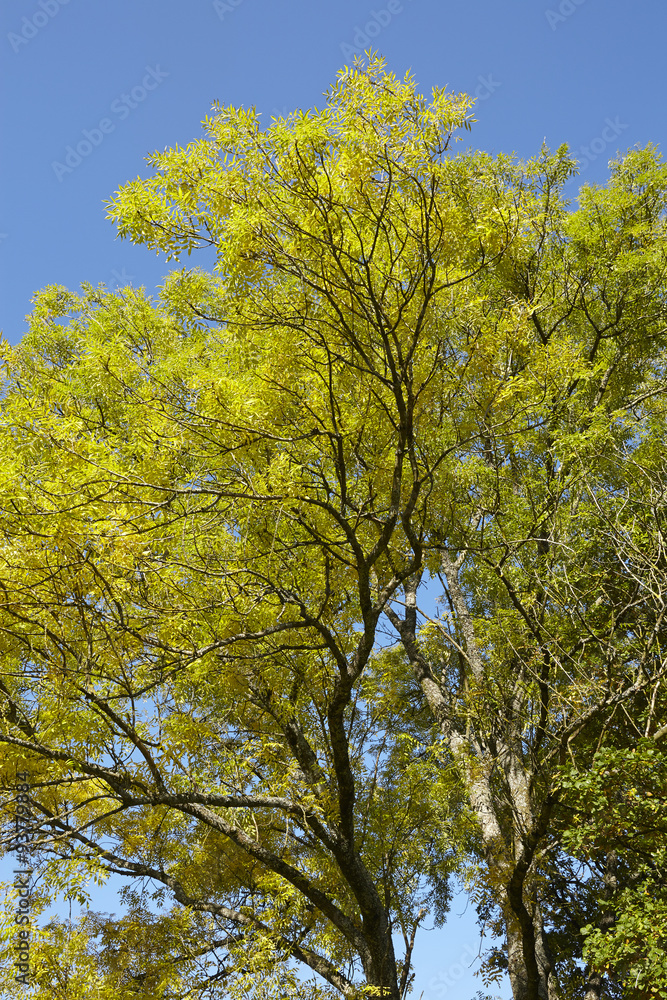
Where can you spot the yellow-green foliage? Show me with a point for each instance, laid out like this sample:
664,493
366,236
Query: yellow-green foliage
214,500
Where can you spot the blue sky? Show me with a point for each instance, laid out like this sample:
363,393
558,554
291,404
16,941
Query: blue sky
118,80
586,72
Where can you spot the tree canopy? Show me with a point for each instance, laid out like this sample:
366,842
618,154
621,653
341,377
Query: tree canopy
226,510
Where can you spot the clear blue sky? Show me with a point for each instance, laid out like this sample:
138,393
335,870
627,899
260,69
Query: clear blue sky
585,72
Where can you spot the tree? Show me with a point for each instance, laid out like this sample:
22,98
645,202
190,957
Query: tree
219,509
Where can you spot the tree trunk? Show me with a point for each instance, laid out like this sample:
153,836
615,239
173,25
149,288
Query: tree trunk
595,981
529,961
594,986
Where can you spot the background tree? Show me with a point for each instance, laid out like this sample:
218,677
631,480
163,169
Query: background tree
553,564
219,508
